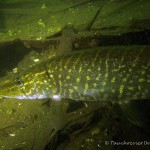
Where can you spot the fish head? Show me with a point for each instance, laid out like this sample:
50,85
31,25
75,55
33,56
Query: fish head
20,86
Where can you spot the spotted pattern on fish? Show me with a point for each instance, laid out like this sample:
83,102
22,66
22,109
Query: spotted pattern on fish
109,73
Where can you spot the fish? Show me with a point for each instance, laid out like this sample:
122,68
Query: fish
116,73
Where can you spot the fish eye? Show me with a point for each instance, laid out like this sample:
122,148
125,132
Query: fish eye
20,83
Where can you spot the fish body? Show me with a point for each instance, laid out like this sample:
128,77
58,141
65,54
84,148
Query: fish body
102,74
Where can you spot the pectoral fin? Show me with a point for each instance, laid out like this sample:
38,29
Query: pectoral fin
137,111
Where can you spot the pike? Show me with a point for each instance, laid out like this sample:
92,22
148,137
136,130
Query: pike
103,74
